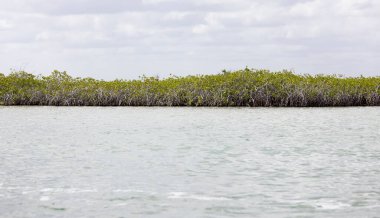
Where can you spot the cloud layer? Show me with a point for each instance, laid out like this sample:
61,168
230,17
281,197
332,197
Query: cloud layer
123,39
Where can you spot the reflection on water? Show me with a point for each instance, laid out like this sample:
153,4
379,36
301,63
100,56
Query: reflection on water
189,162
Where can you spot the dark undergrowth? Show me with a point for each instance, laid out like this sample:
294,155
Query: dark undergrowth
248,87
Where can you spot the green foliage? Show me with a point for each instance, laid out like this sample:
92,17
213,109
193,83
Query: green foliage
247,87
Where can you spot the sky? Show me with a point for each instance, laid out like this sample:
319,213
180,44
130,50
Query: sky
108,39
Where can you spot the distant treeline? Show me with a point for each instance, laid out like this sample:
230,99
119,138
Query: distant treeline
248,87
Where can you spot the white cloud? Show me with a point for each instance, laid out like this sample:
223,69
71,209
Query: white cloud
200,29
306,9
117,38
4,24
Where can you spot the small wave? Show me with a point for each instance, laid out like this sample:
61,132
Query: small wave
176,194
127,190
68,190
13,188
331,205
27,192
44,198
184,195
46,190
80,190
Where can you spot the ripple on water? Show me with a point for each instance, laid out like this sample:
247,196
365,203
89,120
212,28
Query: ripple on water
184,195
329,204
129,191
198,162
67,190
44,198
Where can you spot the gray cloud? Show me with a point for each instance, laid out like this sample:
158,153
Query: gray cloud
124,39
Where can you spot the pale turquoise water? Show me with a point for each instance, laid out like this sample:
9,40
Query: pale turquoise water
189,162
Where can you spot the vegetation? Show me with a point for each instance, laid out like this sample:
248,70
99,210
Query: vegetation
246,87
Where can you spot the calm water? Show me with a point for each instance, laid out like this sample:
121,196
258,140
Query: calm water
189,162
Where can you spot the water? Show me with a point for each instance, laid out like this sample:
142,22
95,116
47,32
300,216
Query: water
189,162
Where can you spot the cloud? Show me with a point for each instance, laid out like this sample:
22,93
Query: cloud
124,39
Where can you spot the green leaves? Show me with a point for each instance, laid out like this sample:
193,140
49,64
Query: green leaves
247,87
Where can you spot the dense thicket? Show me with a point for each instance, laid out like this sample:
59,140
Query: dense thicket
240,88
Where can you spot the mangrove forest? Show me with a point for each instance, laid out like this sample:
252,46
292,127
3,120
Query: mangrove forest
247,88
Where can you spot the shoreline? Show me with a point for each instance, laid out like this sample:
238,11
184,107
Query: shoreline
243,88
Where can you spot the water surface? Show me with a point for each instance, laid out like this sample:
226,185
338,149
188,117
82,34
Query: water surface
189,162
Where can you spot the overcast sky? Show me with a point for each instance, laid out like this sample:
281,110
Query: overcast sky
126,38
